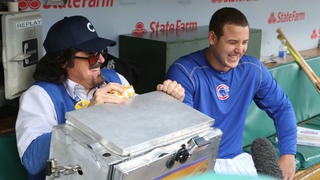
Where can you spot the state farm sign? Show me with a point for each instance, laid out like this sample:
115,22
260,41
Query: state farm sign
283,17
156,26
36,4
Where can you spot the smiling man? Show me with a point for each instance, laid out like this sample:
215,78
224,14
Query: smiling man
68,77
221,82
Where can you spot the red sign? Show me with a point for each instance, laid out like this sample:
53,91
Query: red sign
32,4
139,28
314,34
286,17
156,26
36,4
83,4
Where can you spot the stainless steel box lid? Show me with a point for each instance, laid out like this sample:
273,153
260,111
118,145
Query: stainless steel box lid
140,124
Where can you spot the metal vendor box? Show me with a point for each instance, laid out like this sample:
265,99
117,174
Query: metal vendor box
150,136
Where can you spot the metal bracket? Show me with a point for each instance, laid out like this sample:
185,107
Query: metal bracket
193,145
196,144
54,171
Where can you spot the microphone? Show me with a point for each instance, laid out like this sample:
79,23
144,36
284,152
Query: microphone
265,158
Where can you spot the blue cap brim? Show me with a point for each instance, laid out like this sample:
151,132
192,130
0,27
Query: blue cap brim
95,45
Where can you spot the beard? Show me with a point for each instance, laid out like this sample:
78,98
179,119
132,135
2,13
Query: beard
98,81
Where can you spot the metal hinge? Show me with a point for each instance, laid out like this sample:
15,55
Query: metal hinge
54,171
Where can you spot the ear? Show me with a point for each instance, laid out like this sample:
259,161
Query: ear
65,66
211,38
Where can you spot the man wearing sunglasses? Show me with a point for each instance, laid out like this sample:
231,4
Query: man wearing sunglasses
68,77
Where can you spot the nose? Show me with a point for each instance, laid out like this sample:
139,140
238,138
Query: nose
240,48
101,59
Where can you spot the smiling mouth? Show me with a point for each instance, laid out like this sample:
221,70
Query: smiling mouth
234,57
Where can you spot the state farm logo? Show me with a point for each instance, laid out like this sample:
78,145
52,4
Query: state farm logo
36,4
83,4
139,28
315,34
32,4
156,26
272,19
285,17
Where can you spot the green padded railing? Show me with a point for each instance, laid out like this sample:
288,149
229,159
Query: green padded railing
302,94
306,102
10,164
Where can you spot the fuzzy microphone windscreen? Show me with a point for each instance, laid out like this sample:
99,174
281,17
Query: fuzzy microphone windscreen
265,158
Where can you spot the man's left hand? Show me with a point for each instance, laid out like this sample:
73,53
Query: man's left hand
287,164
172,88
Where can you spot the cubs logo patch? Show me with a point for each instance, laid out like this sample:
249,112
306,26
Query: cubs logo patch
223,91
81,104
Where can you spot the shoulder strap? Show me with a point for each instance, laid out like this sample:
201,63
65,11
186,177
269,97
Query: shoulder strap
61,100
110,75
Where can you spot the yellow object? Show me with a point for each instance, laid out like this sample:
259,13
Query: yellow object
128,92
81,104
293,53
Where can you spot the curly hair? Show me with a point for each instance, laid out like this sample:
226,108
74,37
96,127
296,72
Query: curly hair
224,16
52,66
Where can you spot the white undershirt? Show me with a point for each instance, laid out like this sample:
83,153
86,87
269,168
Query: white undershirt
37,114
242,165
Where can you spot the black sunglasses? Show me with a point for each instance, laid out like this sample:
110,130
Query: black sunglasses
93,58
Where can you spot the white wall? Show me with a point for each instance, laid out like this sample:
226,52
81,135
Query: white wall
122,16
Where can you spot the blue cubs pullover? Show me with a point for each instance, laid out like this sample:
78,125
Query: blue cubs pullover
226,97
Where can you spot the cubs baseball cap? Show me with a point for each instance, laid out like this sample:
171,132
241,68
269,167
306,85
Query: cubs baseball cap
74,32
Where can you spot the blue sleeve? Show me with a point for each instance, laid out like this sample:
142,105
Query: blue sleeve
177,72
36,155
271,98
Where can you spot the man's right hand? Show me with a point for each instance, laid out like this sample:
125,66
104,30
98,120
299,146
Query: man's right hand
103,95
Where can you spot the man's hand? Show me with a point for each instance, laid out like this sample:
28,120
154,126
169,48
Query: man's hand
287,164
102,95
172,88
